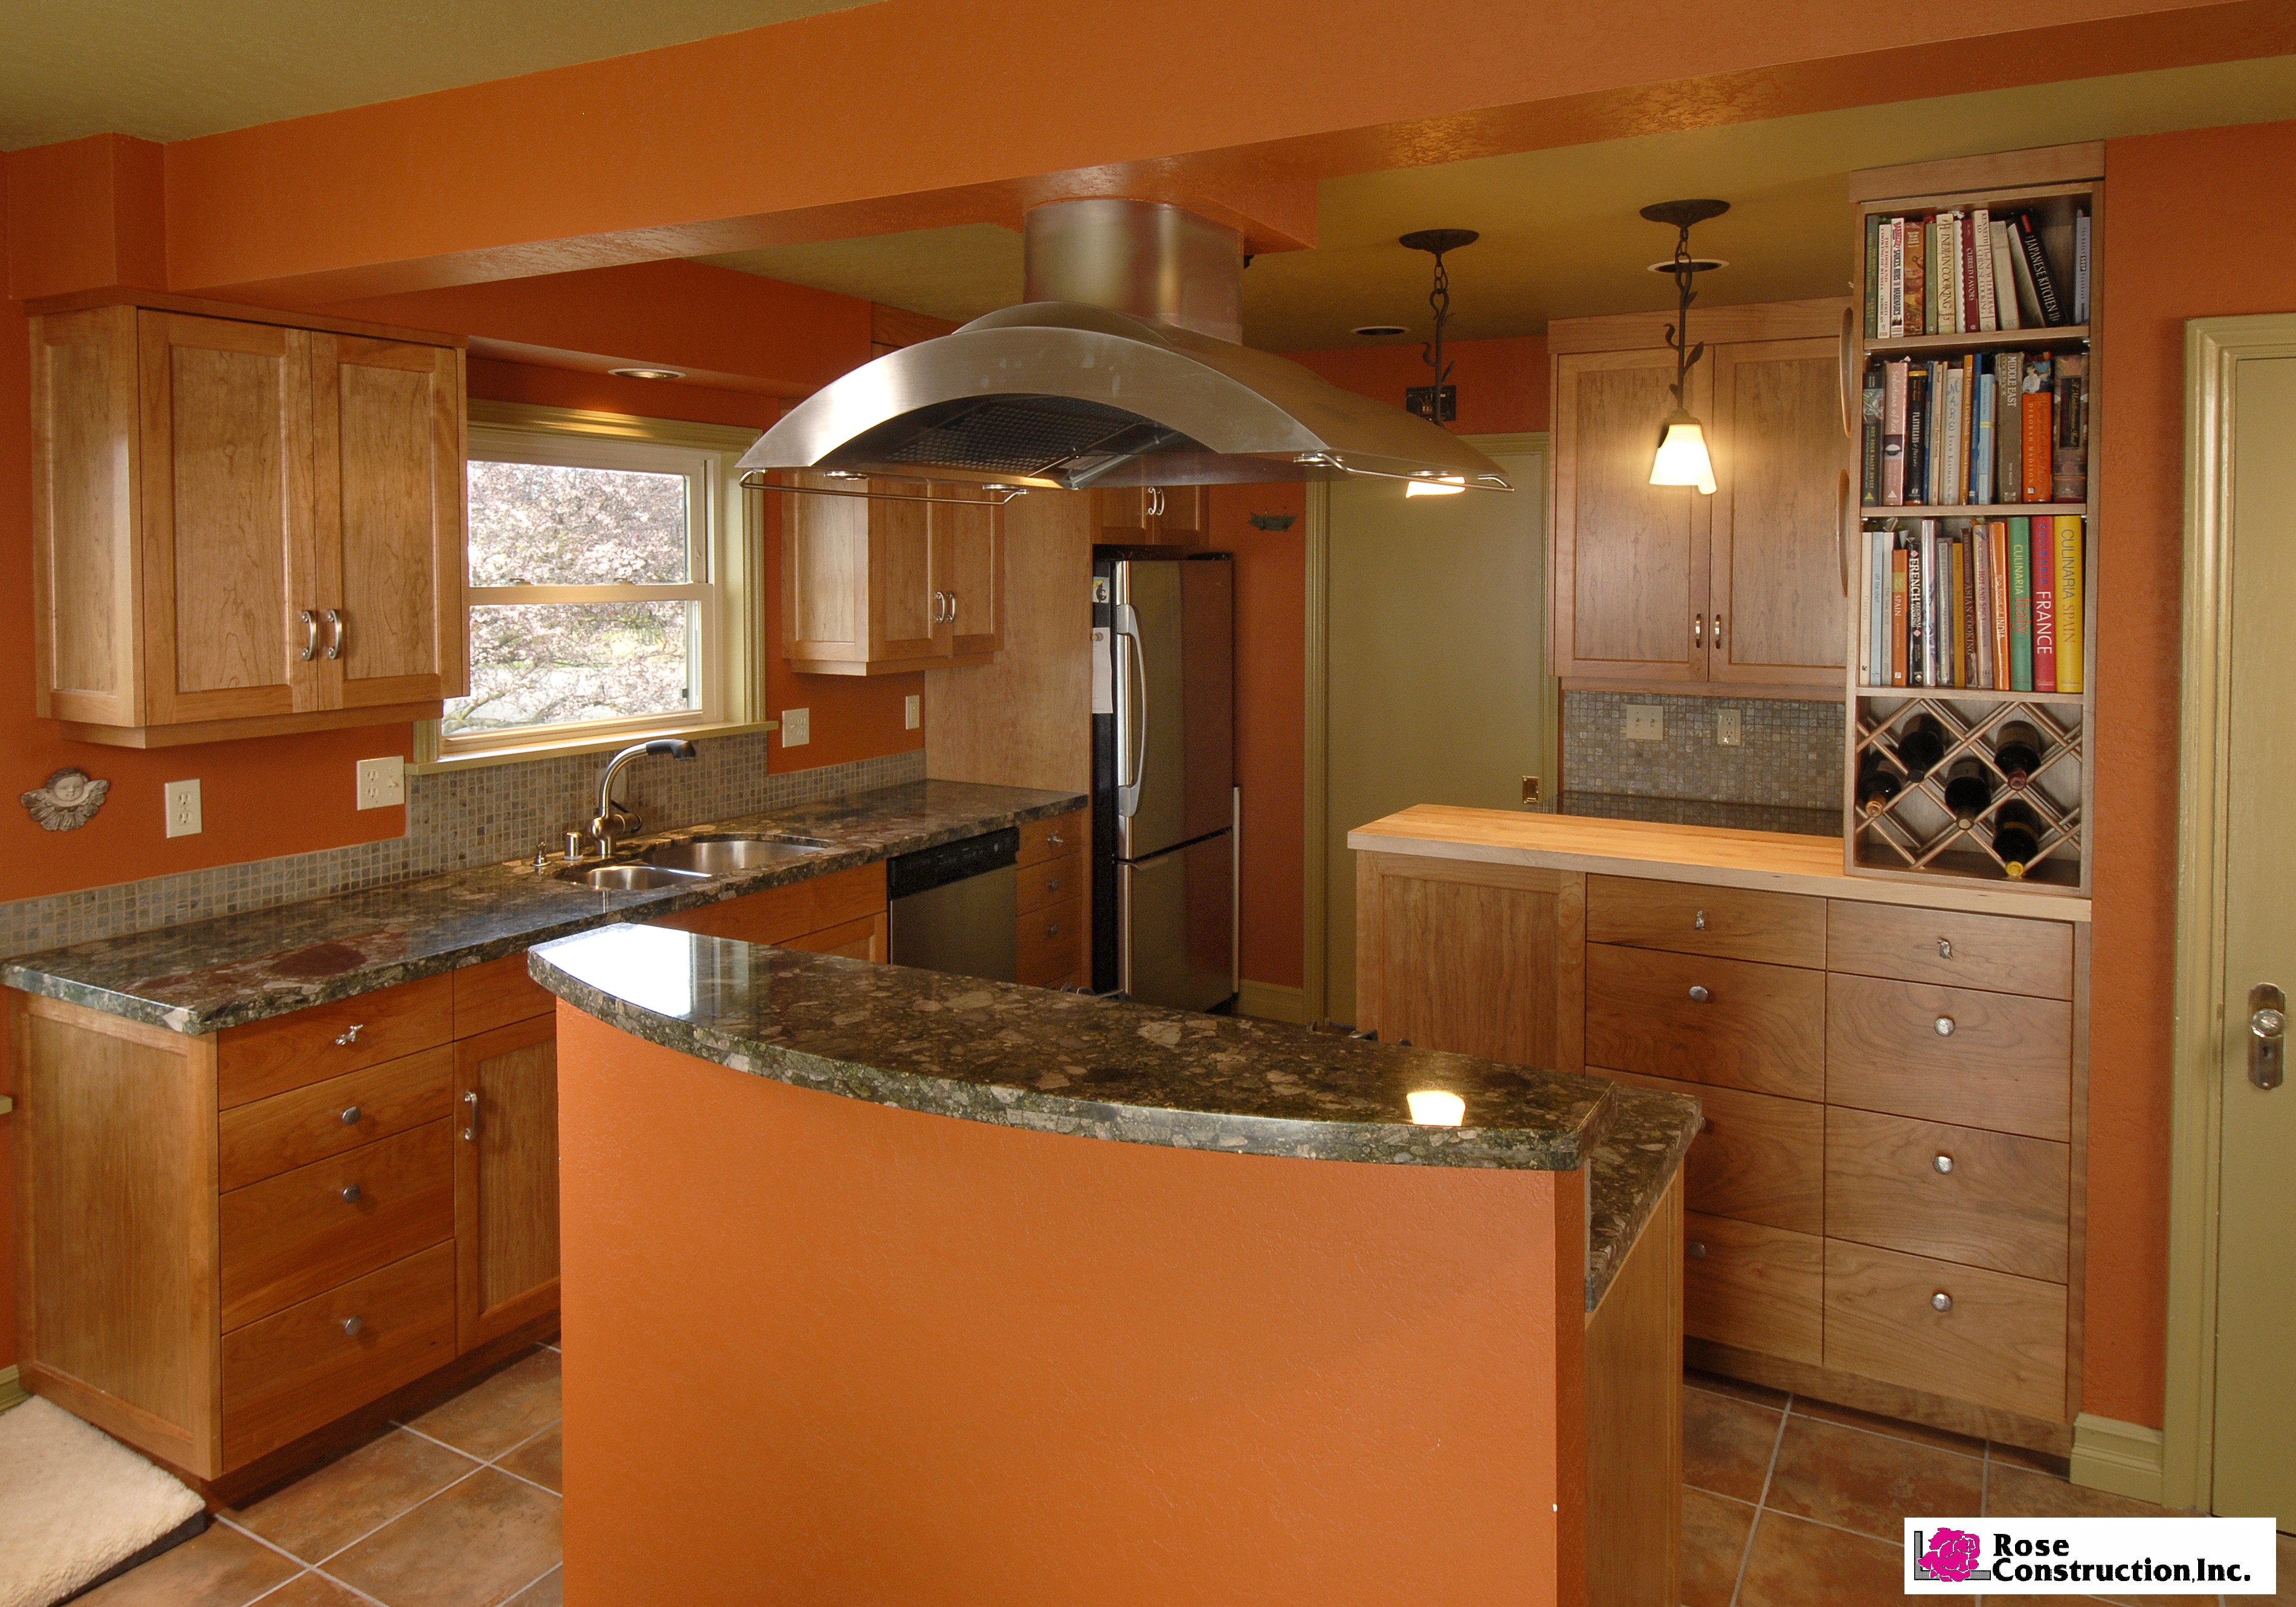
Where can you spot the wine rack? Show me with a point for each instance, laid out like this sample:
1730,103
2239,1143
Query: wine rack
1913,836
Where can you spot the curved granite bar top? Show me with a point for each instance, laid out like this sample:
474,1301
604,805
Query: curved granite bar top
1070,1063
208,975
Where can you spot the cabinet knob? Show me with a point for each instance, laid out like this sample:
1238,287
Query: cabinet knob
1055,840
1940,1301
1945,1026
352,1324
350,1116
1699,994
1053,884
1052,930
350,1035
1944,1163
1699,924
351,1194
1945,948
1697,1250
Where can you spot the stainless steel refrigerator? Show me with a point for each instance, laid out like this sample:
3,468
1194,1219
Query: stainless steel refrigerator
1164,797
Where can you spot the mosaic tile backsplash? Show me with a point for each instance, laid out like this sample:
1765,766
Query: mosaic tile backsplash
453,819
1792,755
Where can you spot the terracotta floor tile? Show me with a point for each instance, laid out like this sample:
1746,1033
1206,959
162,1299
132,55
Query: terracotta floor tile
1827,1411
324,1511
548,1591
312,1590
1797,1564
1869,1483
473,1546
541,1459
2038,1462
1714,1529
1726,1443
497,1412
2286,1594
2016,1492
1714,1383
223,1567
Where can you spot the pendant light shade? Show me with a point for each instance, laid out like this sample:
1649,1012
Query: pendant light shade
1682,457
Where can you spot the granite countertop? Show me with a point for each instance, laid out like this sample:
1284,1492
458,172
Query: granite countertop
245,967
1062,1062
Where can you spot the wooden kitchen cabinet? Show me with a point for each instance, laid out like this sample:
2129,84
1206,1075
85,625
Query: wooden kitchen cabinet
244,526
885,587
505,1179
1660,584
1153,515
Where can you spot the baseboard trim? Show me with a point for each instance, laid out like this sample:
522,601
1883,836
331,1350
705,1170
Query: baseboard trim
11,1388
2121,1458
1271,1002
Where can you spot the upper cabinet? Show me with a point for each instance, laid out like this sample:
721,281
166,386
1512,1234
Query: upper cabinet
243,527
1659,585
882,586
1153,515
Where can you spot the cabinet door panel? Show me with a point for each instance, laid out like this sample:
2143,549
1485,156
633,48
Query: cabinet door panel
505,1179
227,439
902,584
1776,595
1630,573
824,578
969,565
84,458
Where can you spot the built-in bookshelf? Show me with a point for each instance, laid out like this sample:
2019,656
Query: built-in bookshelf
1961,558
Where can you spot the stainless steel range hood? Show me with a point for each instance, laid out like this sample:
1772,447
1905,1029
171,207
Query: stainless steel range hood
1121,369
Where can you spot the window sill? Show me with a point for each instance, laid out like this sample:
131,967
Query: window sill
572,745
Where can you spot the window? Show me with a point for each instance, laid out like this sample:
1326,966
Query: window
610,565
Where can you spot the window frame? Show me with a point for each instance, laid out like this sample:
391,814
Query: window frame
725,561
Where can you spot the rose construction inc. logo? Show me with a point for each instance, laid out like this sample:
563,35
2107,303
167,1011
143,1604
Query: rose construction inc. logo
1951,1554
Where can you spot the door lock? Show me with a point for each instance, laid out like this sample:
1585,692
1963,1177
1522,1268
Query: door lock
2268,1036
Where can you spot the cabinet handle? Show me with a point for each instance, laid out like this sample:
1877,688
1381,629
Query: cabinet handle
1697,630
1944,1164
1699,924
1053,884
351,1194
1945,948
1717,630
350,1116
1697,1250
952,608
1945,1026
1055,840
310,635
1699,995
1054,930
352,1324
471,1133
340,632
350,1036
1940,1301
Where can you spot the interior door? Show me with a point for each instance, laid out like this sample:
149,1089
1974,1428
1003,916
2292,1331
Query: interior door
1437,688
968,563
2255,1474
388,507
226,438
505,1179
904,622
1777,610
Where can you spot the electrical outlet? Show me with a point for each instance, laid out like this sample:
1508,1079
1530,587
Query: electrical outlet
1729,730
1645,722
183,809
913,711
1530,789
797,728
382,781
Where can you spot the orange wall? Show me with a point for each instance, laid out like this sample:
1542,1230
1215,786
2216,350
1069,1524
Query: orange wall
964,1364
1504,385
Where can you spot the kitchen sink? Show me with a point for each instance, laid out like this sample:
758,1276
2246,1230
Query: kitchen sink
606,878
723,856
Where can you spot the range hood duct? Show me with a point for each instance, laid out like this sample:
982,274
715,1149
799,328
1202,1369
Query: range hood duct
1122,368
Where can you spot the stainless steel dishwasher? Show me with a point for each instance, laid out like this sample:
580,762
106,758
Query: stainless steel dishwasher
954,907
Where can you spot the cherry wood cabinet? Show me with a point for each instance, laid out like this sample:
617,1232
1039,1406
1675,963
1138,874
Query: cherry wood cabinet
1660,584
506,1179
1153,515
242,526
881,586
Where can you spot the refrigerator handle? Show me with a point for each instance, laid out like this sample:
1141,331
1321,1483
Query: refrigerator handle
1131,712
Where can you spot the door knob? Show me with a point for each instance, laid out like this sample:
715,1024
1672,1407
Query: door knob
1945,1026
2268,1036
1940,1301
1944,1163
351,1194
1699,995
352,1324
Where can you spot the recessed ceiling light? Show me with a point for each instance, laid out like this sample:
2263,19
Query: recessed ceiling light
647,374
1381,329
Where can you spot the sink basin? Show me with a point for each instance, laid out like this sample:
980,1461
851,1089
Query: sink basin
723,856
604,878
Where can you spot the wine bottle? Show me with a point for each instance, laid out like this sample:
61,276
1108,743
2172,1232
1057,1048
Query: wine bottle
1877,784
2016,837
2017,749
1968,789
1920,745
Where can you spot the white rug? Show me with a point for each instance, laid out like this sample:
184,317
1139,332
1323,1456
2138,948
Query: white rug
73,1502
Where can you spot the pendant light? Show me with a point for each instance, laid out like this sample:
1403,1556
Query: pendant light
1427,400
1682,458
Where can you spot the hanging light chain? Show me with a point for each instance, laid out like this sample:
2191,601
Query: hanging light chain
1677,334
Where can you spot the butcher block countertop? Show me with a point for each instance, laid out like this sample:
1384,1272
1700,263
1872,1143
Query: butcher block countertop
1768,861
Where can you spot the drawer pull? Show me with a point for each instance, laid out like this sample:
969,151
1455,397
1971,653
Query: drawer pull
1053,839
351,1194
350,1037
1945,1026
1699,995
1053,885
352,1324
1940,1301
1700,924
1697,1250
1944,1164
350,1116
1945,948
1054,930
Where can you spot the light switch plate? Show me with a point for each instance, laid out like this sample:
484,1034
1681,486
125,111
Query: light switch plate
797,728
1645,722
183,803
382,781
913,711
1729,730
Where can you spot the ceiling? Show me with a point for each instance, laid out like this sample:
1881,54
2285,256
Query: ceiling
1562,236
173,71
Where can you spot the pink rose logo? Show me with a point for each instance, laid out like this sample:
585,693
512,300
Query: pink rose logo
1952,1554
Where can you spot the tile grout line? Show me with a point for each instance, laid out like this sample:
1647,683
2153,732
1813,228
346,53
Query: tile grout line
537,1579
1859,1427
303,1567
1761,1503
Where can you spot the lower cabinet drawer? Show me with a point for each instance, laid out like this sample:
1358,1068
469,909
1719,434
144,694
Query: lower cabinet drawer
1727,1021
1757,1157
1996,1060
1977,1336
291,1236
1759,1288
1055,881
1957,1193
1050,942
308,1365
287,1130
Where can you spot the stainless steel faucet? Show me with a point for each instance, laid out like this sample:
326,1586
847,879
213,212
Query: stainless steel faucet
614,820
